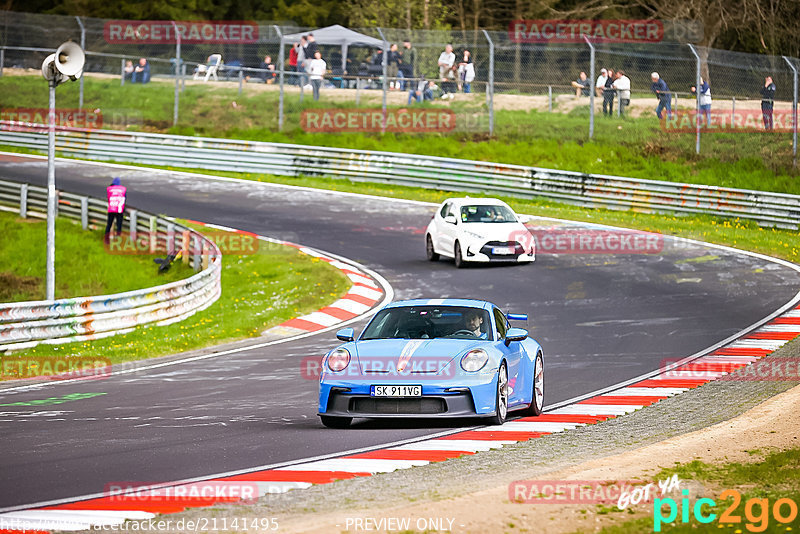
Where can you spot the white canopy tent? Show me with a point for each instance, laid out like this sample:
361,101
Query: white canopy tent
338,36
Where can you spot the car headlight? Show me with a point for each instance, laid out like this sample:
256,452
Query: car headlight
338,360
474,360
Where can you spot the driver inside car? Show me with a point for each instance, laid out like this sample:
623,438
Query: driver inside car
474,323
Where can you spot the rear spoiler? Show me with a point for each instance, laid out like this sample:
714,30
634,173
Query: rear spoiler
517,316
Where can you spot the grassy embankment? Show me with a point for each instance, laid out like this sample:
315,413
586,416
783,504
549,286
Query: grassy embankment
259,291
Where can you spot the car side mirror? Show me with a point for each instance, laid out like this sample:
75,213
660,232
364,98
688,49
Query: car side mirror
451,219
346,334
516,334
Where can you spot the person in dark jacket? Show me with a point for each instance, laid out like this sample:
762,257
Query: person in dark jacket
767,102
659,87
608,94
141,74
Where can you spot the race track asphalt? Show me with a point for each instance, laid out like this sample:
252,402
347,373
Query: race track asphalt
601,318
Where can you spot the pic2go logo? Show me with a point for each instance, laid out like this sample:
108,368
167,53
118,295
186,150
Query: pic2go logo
756,511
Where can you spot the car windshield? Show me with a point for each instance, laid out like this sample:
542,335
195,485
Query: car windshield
487,214
430,322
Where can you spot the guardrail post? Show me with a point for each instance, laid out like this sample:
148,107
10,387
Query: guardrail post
23,201
153,234
85,212
196,253
185,247
121,72
170,238
134,221
206,251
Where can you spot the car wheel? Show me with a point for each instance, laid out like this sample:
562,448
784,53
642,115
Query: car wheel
432,255
537,395
501,397
460,263
336,422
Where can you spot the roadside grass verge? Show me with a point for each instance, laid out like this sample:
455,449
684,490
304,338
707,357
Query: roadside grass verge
83,267
632,147
772,476
259,291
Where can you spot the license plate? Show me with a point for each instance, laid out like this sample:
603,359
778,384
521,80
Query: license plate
396,391
502,250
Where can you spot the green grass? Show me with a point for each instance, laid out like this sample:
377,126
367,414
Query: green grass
631,147
777,476
83,267
259,291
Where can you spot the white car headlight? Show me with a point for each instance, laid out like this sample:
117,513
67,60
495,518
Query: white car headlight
474,360
338,360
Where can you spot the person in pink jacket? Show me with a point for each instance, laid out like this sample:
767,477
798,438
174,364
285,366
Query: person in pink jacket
117,194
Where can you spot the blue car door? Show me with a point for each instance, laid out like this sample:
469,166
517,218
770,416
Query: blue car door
514,353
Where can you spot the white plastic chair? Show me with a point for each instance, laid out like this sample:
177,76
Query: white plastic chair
214,63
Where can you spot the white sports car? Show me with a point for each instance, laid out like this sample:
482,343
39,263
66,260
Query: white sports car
478,230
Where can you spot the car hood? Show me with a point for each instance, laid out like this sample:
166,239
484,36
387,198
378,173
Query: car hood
496,231
410,356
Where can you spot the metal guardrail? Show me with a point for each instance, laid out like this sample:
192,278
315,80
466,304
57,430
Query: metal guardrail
589,190
26,324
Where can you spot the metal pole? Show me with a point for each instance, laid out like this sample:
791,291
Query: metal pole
241,77
280,68
51,195
177,74
591,93
697,91
384,66
550,98
794,110
2,59
183,77
83,47
121,72
491,82
733,109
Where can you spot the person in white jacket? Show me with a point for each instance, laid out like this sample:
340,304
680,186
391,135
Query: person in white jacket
622,84
316,72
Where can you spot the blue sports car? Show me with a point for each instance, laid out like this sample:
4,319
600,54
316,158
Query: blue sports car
433,358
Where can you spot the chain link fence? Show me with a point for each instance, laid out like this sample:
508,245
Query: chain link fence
390,80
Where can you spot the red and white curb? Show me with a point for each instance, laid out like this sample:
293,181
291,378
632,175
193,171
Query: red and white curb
364,293
146,503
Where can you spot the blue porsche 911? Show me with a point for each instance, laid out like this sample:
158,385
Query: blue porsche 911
433,358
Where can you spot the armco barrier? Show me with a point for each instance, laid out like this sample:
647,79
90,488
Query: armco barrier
26,324
590,190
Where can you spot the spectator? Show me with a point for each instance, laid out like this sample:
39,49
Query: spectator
767,102
316,69
128,72
705,100
302,59
141,74
311,47
409,64
659,87
581,85
293,59
466,71
622,86
393,67
269,67
117,194
424,91
608,94
447,74
601,82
